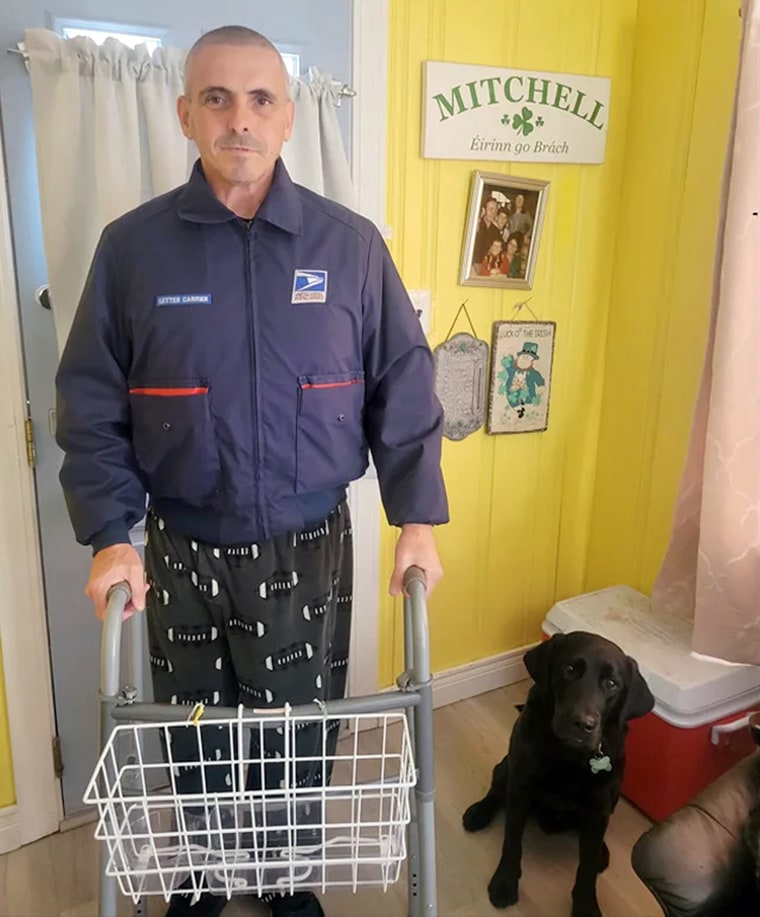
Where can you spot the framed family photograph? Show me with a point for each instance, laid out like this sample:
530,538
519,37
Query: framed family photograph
522,355
503,231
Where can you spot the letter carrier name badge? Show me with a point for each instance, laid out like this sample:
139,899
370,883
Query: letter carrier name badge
309,286
185,299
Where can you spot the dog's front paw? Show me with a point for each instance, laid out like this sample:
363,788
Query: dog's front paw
586,909
478,815
604,858
502,891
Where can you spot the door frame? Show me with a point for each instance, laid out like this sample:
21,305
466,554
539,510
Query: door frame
368,147
23,623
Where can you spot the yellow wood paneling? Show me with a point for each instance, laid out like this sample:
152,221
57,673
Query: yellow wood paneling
520,504
7,790
662,279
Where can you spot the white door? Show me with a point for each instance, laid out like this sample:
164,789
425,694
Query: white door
74,633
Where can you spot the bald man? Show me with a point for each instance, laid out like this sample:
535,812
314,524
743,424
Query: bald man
241,346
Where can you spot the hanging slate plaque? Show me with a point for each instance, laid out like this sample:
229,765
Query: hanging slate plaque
460,382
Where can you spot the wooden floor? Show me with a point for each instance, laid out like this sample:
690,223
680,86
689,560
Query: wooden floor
56,877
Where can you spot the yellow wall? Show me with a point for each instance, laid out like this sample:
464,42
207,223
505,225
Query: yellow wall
532,514
7,792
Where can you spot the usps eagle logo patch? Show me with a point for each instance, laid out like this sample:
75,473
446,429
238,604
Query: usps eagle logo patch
309,286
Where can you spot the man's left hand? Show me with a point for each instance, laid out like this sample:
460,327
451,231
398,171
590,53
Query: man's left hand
416,548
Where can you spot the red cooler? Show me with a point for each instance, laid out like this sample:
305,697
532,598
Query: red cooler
698,728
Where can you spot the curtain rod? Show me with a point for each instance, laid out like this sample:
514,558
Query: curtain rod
345,90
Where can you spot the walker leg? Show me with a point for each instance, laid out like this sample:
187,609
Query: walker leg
413,865
110,648
421,847
107,887
425,805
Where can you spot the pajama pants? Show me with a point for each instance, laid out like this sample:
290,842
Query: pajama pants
254,624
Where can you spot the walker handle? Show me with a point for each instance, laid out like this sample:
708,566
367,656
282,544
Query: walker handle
117,599
416,634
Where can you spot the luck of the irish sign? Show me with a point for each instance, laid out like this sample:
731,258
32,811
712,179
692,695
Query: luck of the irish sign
474,112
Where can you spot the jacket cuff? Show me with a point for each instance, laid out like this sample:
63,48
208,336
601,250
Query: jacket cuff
113,533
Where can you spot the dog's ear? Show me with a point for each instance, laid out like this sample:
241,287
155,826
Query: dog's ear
638,700
537,660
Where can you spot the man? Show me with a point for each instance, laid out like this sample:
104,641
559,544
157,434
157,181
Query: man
502,218
240,344
487,233
520,221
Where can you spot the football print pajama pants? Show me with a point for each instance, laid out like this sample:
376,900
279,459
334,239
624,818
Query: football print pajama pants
255,624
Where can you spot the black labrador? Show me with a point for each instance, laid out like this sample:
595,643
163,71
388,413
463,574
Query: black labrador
566,758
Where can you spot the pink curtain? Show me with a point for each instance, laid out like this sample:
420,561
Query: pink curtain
711,570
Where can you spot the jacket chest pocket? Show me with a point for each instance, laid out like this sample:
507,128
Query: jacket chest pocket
174,439
330,445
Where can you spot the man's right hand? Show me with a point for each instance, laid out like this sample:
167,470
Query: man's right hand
115,564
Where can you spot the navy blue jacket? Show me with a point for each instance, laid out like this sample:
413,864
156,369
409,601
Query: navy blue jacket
238,371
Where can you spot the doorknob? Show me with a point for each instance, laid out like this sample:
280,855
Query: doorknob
42,297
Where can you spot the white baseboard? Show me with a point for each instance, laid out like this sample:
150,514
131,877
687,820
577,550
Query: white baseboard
10,833
469,680
72,822
478,677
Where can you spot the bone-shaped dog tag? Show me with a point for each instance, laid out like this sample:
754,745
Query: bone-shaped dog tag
600,763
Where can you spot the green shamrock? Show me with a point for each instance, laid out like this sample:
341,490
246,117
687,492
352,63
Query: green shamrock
522,123
505,120
539,121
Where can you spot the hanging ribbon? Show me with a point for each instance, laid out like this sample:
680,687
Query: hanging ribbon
462,308
519,306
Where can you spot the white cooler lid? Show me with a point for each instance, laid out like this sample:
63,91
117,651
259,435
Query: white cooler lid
689,691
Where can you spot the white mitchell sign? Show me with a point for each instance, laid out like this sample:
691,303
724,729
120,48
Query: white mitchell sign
474,112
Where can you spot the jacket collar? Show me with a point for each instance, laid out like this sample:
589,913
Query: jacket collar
281,207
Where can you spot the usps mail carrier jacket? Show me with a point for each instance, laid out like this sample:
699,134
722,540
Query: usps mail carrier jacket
238,371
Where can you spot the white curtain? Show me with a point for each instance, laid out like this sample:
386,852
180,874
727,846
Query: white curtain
107,139
315,151
711,571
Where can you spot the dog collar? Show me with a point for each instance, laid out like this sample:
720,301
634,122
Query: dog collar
600,762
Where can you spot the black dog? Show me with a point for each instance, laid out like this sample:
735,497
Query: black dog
566,758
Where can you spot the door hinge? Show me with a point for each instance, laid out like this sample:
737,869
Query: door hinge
31,452
57,758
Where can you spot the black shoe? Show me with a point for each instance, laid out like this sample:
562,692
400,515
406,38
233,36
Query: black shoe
206,906
302,904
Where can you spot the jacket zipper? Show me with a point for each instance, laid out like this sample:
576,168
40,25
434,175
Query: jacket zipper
255,426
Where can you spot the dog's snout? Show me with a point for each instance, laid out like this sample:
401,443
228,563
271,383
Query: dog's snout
586,723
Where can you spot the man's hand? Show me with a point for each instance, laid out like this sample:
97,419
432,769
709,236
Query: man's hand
416,547
112,565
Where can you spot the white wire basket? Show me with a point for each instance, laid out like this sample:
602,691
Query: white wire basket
269,829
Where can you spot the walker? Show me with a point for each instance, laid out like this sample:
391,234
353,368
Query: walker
354,831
